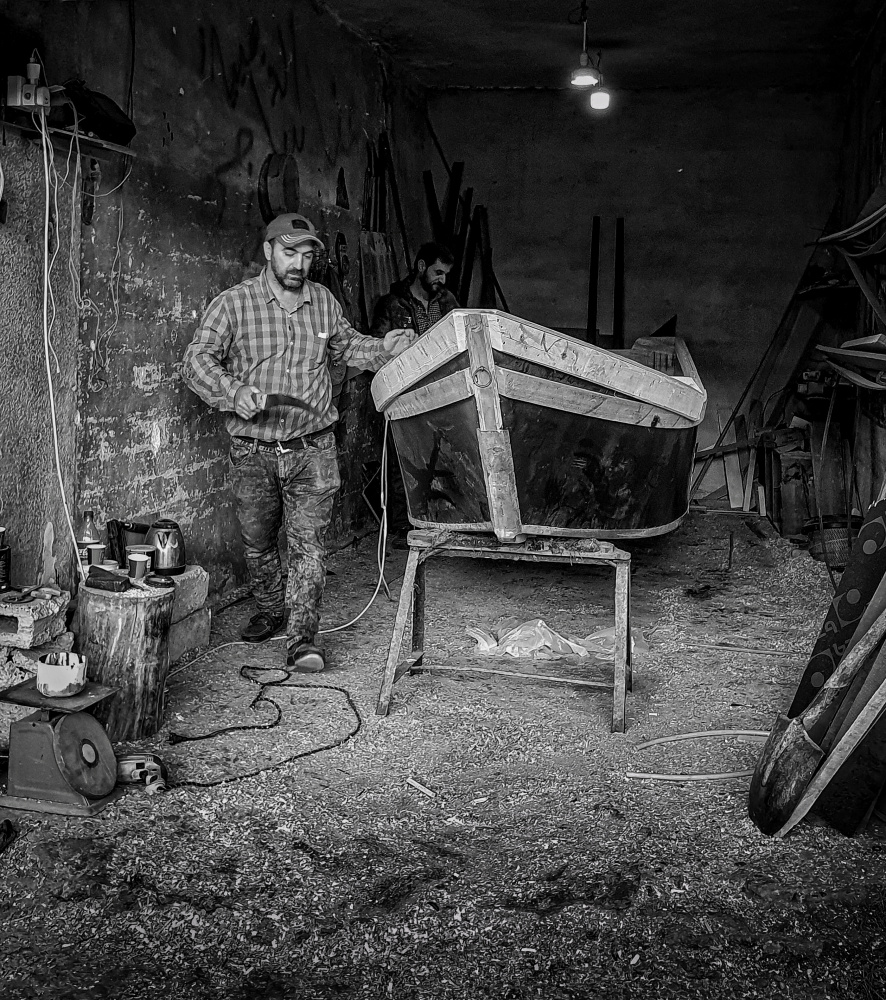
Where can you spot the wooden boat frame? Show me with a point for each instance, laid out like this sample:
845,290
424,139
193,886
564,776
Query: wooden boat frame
630,393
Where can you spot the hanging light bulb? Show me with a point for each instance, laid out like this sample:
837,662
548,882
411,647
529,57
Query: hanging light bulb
584,76
600,98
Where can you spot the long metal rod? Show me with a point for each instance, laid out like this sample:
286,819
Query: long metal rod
593,282
618,294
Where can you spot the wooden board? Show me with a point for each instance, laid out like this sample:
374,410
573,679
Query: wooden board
730,462
856,378
558,356
860,579
494,441
521,339
26,693
850,796
750,479
839,756
519,385
827,468
874,361
450,389
875,342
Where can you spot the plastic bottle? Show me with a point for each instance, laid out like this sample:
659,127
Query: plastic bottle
4,562
87,535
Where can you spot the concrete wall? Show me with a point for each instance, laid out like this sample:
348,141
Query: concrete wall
719,192
30,496
216,88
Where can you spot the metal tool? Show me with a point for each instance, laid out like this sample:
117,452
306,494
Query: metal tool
168,544
283,399
22,596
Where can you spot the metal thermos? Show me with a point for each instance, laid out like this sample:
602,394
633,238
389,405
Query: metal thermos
168,543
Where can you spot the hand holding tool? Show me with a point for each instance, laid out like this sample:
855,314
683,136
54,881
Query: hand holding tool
283,399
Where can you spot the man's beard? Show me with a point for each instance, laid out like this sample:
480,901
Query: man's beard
290,280
429,286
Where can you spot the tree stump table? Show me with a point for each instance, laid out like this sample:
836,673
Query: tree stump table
125,639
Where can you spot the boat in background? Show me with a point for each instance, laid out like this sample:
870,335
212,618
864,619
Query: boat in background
504,426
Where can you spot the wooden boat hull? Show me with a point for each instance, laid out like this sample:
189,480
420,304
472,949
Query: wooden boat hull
503,426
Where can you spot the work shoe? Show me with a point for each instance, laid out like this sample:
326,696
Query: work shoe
261,627
305,658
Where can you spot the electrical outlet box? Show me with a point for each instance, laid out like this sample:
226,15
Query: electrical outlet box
14,86
21,93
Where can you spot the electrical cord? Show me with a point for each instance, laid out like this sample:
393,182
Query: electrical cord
381,555
176,738
85,305
381,558
47,345
106,194
99,344
381,548
40,125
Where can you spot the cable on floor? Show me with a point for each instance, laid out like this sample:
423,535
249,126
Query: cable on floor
261,697
381,556
176,738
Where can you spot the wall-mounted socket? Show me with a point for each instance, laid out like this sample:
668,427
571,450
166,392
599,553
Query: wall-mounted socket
22,93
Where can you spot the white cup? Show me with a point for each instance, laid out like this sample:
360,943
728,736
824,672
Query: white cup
95,553
138,565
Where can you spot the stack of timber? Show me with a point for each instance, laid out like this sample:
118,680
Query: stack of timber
861,361
504,426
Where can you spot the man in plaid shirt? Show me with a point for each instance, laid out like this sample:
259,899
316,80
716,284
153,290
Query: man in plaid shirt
269,337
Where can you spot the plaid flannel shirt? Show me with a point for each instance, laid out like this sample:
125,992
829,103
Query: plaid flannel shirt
246,337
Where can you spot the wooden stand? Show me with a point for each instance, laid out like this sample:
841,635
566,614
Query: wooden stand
463,545
125,638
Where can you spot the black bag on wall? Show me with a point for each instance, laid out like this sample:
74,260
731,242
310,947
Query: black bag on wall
96,113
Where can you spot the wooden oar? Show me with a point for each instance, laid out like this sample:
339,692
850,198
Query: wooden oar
853,737
792,754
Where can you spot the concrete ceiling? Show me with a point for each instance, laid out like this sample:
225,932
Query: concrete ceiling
732,44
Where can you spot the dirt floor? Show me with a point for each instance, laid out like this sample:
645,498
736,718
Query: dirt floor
532,867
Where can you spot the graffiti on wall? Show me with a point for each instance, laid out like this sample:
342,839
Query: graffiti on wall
273,75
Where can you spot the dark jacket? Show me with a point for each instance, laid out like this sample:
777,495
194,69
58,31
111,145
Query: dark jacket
399,309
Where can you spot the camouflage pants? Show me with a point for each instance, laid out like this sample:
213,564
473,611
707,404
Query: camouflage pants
295,489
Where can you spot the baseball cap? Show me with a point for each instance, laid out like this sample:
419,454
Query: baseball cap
292,229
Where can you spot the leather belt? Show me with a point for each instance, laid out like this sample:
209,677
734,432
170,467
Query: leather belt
284,447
